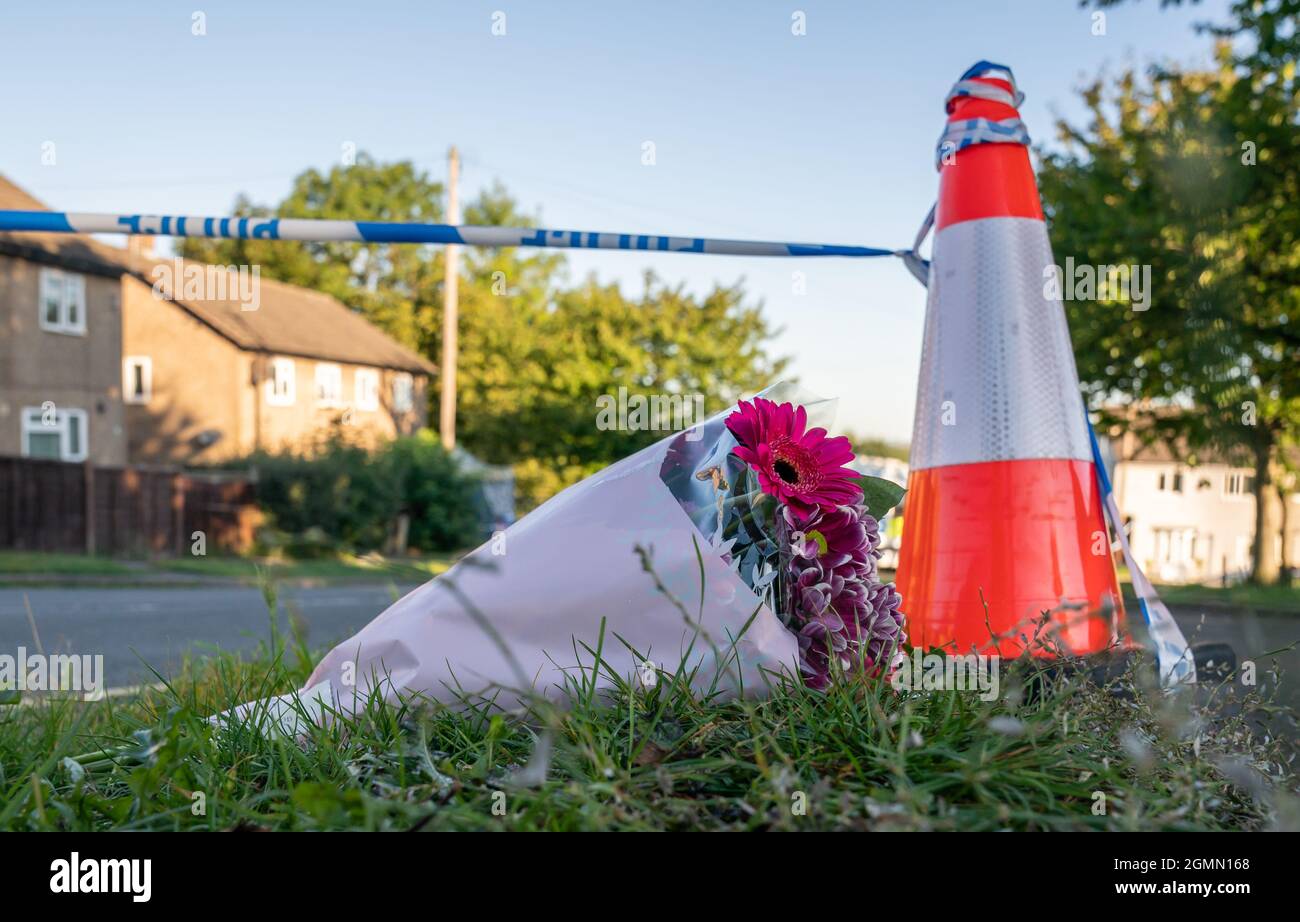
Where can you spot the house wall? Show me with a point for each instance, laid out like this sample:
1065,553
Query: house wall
203,383
74,371
197,383
295,425
1196,534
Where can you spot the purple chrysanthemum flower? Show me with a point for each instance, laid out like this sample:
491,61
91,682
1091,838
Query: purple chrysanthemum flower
839,609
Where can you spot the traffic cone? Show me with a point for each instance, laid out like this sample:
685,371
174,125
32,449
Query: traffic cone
1004,518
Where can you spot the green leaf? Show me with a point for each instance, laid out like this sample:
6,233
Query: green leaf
880,495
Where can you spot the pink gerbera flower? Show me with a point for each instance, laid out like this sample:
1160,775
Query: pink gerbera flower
802,469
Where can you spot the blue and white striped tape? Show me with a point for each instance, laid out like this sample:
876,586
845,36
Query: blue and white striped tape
1173,654
957,136
967,85
408,232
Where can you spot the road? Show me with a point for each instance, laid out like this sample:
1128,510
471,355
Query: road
135,626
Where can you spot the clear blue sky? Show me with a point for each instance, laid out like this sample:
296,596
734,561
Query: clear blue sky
827,137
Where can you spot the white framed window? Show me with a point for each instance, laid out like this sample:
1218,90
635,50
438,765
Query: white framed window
1175,545
365,385
1238,483
280,386
137,379
56,434
403,393
63,302
329,384
1170,481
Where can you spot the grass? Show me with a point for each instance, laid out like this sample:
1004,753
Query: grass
29,563
1241,597
1063,756
344,568
70,569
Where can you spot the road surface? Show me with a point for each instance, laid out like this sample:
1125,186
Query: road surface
134,626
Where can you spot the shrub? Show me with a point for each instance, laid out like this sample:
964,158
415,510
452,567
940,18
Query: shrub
340,495
444,504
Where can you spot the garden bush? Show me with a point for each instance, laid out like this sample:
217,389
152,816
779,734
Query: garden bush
339,495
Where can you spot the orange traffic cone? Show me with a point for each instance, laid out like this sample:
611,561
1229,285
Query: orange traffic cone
1003,507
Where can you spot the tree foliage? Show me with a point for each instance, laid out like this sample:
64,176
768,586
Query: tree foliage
1195,174
396,286
342,495
535,353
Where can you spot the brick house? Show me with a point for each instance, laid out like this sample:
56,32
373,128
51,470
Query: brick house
160,361
206,379
60,345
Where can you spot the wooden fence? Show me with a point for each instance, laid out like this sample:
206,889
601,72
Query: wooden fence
61,506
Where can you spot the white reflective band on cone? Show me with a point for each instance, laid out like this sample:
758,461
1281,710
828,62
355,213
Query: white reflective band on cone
998,376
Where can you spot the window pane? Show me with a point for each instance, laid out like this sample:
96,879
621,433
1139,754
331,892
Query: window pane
51,296
281,386
43,444
367,388
73,303
74,300
74,434
402,386
137,379
329,383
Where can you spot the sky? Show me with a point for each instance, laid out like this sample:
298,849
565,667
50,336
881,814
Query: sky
824,137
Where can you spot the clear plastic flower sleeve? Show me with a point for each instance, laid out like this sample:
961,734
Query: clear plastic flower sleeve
521,614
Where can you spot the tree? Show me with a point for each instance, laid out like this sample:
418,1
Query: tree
396,286
535,356
1194,174
537,372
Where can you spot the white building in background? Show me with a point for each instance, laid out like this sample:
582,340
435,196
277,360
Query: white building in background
891,529
1190,522
1187,524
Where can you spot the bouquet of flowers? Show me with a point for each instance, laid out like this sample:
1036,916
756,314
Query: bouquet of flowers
739,548
792,522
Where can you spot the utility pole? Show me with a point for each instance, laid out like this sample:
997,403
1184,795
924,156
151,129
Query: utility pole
450,309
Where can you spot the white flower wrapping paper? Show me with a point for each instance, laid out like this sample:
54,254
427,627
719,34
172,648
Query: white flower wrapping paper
504,622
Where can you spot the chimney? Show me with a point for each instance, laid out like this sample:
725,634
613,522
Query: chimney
140,245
